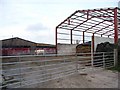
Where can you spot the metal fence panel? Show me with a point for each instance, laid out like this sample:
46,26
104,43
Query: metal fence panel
27,70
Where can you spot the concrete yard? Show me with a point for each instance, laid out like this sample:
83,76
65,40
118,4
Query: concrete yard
97,78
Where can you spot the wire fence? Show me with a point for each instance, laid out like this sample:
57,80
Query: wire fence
30,70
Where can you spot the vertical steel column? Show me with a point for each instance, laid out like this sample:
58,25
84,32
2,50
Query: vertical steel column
88,14
92,51
71,36
115,26
116,36
56,39
83,37
93,42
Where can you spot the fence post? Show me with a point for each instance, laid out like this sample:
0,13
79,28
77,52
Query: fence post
92,59
77,67
19,60
64,58
115,57
103,60
1,78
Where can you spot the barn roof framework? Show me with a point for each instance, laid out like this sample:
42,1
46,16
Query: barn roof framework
103,22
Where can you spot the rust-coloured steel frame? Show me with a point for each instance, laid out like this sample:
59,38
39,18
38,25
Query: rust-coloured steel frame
115,26
89,20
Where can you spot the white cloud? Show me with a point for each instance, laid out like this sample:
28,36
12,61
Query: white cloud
36,27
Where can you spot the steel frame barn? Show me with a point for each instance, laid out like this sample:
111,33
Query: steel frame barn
103,22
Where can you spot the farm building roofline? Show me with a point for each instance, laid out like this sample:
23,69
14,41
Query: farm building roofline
18,38
32,43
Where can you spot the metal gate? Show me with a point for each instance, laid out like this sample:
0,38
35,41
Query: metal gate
31,70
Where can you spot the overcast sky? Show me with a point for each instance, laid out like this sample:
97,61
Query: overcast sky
35,20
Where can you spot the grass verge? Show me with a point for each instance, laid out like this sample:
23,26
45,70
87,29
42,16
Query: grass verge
116,68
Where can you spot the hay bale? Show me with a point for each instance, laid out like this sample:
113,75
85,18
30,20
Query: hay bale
83,48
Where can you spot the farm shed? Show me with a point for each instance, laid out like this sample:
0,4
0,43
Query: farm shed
16,46
84,25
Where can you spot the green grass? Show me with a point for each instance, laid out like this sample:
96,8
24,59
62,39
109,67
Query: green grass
117,68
